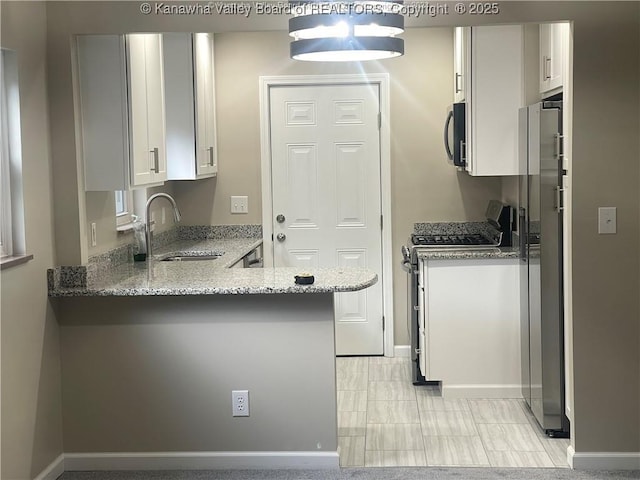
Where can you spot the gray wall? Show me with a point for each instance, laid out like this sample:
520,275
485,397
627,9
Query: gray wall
155,374
31,405
605,268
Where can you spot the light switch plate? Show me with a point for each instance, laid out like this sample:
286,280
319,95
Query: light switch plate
607,221
239,204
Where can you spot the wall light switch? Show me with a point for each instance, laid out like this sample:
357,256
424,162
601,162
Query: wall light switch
607,221
239,204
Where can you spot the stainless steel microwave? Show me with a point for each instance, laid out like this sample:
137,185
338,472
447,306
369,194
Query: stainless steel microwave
455,138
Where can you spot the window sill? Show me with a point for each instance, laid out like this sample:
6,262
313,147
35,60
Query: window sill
125,228
13,260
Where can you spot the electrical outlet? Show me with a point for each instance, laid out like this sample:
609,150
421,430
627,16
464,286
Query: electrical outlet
240,403
239,204
94,235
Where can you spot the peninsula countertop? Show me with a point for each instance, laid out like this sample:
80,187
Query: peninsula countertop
213,277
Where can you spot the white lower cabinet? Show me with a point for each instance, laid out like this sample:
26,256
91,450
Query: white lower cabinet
471,318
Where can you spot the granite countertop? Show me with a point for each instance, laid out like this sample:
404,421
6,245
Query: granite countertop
454,253
213,277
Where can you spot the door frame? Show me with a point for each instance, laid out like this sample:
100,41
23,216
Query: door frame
383,82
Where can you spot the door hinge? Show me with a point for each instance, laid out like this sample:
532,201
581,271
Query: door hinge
379,120
381,222
383,323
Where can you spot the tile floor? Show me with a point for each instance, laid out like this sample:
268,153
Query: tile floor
383,420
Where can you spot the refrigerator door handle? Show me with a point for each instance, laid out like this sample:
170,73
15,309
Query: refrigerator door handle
558,205
559,146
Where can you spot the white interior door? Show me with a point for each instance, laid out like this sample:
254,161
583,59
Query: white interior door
325,151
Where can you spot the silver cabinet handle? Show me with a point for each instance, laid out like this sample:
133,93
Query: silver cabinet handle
156,160
281,237
546,68
210,150
458,77
280,218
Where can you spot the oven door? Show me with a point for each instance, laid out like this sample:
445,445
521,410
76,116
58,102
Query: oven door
455,138
409,265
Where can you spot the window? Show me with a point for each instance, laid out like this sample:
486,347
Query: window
124,207
12,235
6,239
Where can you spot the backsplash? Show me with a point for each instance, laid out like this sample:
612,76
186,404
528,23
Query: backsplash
200,232
454,228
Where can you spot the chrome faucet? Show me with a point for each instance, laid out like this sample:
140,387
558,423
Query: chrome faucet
148,233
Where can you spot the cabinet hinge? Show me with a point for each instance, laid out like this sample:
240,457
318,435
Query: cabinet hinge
383,323
379,120
381,222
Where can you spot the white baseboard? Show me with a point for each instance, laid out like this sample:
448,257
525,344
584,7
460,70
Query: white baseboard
603,460
402,351
481,391
53,470
199,460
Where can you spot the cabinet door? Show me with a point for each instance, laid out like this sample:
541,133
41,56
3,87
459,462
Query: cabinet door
460,62
553,39
496,94
206,145
180,114
155,107
102,93
146,109
423,331
141,158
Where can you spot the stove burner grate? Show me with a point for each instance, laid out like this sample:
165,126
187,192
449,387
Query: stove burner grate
471,239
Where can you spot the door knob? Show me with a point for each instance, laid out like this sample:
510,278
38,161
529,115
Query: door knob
281,237
280,218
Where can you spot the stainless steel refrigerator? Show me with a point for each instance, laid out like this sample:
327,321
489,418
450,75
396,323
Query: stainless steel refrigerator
541,279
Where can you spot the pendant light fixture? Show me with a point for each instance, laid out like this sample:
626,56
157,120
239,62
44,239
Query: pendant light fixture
339,31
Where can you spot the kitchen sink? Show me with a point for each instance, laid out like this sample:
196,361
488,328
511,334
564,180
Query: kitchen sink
189,258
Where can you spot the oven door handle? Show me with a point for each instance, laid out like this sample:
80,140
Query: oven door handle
406,260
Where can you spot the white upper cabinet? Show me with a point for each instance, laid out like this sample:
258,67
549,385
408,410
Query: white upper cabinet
121,103
553,52
461,37
494,92
190,105
147,113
